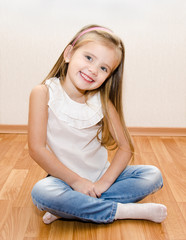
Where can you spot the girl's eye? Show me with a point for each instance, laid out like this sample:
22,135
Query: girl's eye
104,69
89,58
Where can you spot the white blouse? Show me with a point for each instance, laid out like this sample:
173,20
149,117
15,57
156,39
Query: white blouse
71,132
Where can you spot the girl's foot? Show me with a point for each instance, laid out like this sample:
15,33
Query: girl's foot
49,218
147,211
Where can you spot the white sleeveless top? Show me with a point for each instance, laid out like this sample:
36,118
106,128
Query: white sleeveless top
71,132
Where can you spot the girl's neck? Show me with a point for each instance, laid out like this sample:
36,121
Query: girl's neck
74,93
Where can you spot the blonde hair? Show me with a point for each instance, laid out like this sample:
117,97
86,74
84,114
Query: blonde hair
111,89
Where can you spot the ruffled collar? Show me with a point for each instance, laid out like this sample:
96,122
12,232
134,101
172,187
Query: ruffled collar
77,115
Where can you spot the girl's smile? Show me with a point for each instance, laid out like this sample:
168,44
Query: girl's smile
86,77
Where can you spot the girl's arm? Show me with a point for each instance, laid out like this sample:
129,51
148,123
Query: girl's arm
37,133
122,155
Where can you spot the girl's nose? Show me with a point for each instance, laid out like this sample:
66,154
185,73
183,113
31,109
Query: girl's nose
93,69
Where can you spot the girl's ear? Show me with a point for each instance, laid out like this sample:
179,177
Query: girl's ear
68,53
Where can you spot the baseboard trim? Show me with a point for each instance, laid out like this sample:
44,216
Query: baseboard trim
13,128
156,131
134,131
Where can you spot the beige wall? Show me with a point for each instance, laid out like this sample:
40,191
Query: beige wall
33,33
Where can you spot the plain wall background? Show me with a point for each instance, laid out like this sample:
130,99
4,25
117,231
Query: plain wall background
33,34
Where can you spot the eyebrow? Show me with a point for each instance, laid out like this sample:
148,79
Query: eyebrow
88,53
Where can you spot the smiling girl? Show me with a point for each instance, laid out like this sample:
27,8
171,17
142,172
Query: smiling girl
75,115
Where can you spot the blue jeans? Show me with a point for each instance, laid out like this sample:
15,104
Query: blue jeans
134,183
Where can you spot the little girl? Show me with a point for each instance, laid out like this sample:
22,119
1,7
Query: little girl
75,115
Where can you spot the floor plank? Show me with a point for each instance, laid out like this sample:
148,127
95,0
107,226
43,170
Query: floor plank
12,186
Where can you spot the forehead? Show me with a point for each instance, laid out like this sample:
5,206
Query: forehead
104,53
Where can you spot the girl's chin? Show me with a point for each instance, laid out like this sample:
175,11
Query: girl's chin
84,85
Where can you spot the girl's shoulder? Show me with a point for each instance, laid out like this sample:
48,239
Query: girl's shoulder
51,82
41,88
40,92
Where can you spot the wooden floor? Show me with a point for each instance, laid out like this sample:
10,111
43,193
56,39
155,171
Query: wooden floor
20,220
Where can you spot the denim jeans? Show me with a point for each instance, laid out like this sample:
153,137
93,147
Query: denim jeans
134,183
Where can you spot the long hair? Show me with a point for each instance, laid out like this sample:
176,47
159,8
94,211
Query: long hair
111,89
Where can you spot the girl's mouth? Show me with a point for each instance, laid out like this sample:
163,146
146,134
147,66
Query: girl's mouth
86,77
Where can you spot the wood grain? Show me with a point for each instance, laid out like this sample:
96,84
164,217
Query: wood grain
21,220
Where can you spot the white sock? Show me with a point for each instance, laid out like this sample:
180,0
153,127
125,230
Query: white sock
49,218
147,211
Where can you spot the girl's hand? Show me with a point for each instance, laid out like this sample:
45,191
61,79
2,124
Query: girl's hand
100,187
84,186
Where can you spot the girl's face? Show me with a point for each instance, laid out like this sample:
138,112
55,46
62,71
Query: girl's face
89,66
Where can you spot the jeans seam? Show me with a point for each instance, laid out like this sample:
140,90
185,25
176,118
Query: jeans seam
142,194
